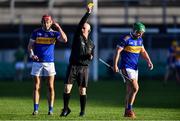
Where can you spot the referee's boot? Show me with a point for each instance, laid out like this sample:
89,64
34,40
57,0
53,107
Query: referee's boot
81,114
65,112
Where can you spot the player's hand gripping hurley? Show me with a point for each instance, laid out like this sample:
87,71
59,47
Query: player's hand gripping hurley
119,72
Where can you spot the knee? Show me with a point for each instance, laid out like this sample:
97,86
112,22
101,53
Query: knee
82,90
135,89
51,88
67,88
37,87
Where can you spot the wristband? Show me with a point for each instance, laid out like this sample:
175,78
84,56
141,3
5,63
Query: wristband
31,53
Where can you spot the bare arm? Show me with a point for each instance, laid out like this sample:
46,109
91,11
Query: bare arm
116,59
147,58
30,50
83,20
63,35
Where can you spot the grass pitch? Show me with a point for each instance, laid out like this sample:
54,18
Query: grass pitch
105,101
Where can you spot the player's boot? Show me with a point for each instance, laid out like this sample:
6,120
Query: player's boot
50,113
129,113
35,112
65,112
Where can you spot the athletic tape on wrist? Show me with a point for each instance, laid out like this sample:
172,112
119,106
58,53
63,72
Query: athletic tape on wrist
31,53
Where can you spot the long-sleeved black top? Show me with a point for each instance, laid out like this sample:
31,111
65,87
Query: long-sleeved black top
82,48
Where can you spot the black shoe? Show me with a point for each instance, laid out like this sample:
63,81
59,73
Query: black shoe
65,112
81,114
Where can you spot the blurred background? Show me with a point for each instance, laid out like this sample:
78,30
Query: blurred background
111,19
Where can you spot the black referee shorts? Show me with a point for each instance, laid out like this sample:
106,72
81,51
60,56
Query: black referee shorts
77,73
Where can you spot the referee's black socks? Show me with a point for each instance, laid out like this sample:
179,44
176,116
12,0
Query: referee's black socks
83,102
66,98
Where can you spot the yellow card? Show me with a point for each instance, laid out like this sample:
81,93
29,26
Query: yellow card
90,4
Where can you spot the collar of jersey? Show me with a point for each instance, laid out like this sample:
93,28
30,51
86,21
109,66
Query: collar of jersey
46,30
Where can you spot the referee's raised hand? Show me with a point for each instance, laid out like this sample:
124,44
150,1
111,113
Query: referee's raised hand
90,7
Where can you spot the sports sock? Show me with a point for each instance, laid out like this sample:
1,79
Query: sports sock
50,108
83,102
129,107
36,106
66,98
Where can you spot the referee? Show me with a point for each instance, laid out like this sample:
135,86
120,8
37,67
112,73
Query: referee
80,58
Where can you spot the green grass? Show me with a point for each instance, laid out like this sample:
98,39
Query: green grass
105,101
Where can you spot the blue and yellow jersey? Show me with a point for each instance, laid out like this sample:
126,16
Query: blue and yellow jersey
177,54
171,58
131,51
44,43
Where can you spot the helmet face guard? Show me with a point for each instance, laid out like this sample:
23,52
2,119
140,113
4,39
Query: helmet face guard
139,27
